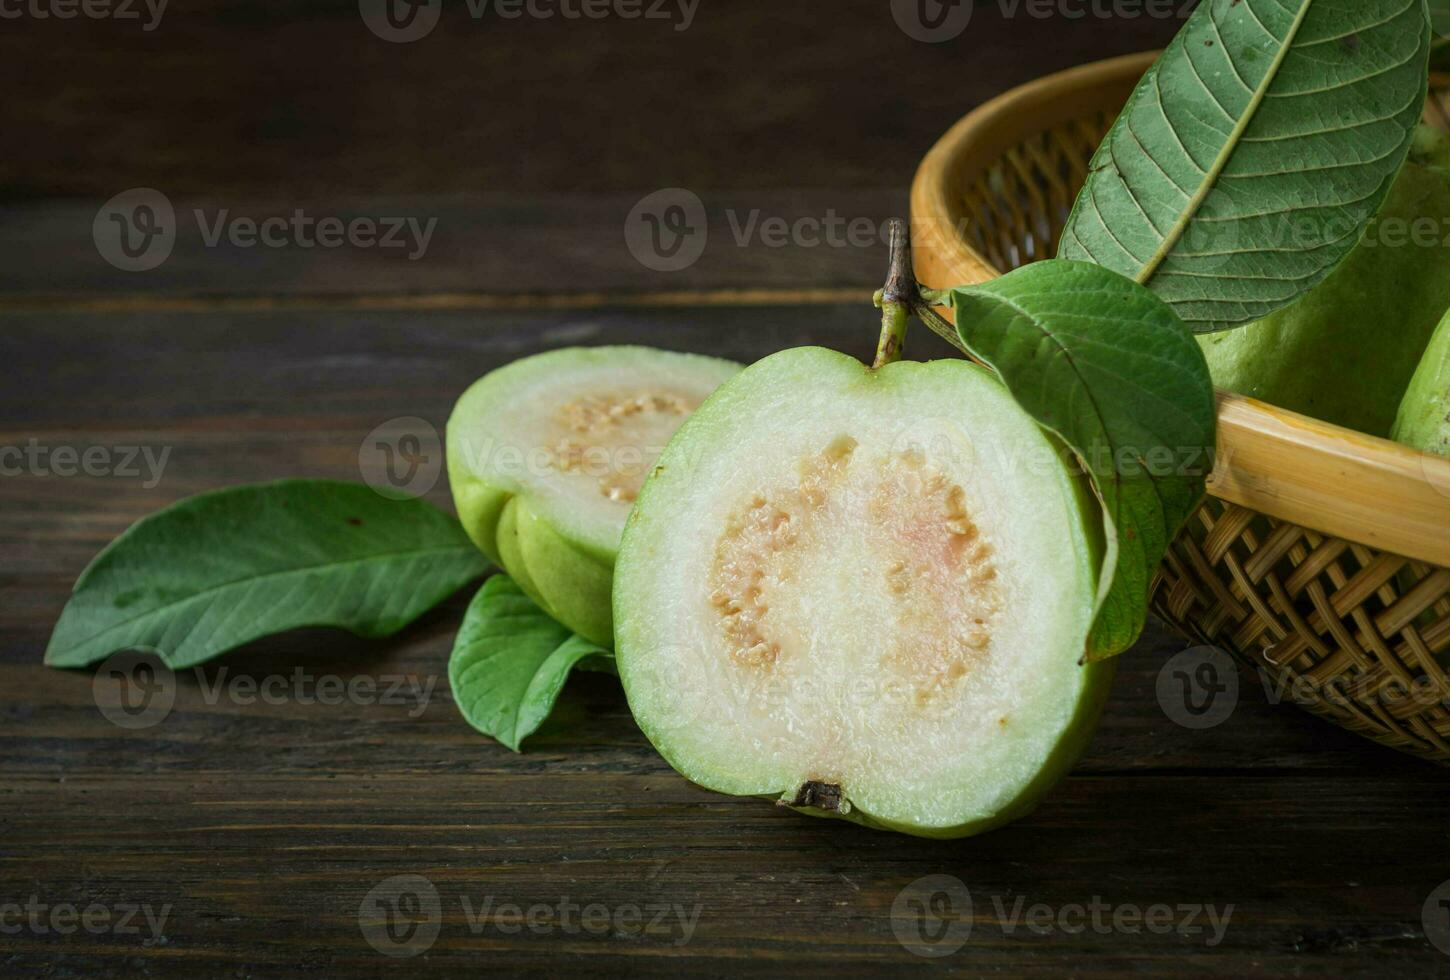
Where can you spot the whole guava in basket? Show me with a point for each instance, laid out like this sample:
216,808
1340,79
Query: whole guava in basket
1345,351
1424,417
546,455
864,593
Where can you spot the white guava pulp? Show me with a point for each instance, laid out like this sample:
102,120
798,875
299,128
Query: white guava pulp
547,454
865,593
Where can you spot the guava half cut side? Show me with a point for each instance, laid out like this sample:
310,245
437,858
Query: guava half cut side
865,594
547,454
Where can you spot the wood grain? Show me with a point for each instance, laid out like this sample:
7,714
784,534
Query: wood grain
264,826
241,99
489,244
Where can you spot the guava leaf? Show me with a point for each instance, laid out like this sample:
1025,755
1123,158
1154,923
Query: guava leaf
221,569
510,661
1110,369
1251,156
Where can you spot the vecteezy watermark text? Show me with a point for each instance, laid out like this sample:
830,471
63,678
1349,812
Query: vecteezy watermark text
935,21
126,462
136,230
135,690
301,230
934,916
405,21
40,918
402,915
122,10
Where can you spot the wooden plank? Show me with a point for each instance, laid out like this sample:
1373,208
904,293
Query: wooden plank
557,244
264,873
264,826
246,101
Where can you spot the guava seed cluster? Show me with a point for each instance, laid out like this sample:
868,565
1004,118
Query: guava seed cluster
935,574
616,436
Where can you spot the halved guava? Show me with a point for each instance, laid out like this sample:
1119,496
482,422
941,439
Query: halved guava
546,455
865,593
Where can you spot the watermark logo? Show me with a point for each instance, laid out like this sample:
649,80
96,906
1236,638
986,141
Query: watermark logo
404,21
125,462
134,690
572,918
681,13
667,230
932,21
401,916
400,21
932,916
1104,918
1435,917
1198,688
937,441
122,10
40,918
135,231
401,458
302,230
678,695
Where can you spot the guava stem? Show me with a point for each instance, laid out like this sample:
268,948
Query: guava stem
896,297
902,296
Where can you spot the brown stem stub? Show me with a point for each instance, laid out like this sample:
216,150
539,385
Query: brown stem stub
900,277
821,796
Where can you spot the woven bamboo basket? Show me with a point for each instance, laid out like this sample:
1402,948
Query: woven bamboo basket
1321,556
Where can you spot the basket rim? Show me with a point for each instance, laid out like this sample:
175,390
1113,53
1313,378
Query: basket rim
1289,466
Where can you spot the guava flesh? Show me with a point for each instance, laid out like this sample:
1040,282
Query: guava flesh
1345,351
547,454
1424,417
864,594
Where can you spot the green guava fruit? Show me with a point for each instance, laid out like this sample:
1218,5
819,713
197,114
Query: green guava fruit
1424,417
864,593
546,455
1345,351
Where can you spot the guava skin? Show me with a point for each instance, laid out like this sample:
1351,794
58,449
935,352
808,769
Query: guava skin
564,566
1345,351
1073,743
569,579
1068,742
1424,417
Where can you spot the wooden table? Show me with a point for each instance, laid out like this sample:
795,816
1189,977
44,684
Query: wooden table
262,829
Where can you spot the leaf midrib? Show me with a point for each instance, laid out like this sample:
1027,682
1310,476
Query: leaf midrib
1225,153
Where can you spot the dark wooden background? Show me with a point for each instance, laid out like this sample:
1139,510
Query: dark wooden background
264,826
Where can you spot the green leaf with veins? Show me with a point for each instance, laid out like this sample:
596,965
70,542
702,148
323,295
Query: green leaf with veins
510,662
221,569
1110,369
1250,157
